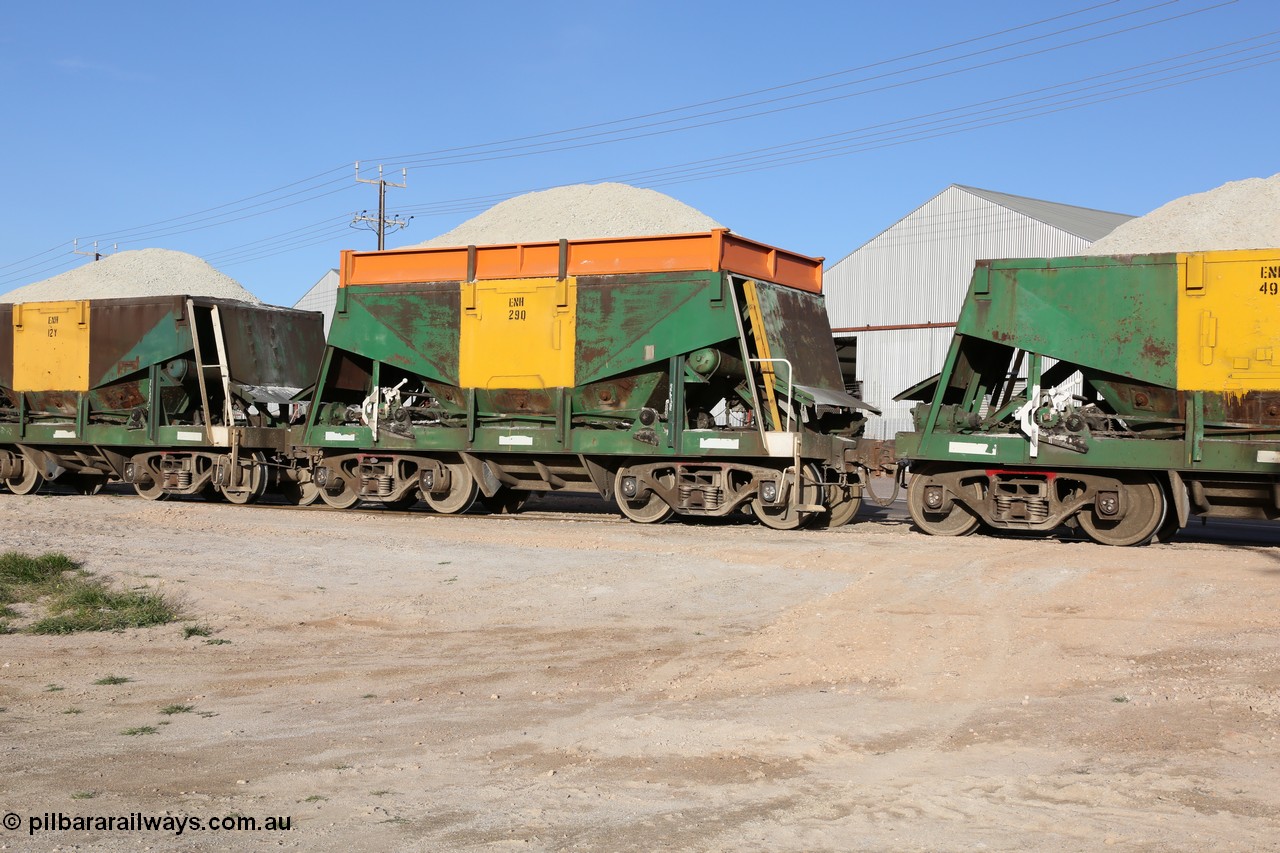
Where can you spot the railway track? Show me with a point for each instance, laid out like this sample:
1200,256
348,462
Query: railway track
589,510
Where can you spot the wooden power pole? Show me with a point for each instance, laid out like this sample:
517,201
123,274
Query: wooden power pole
381,223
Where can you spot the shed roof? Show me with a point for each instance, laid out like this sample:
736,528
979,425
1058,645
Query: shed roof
1083,222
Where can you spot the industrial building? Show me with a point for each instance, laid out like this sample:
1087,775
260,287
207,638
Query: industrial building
894,300
322,297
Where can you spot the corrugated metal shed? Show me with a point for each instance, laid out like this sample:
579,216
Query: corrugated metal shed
900,292
323,296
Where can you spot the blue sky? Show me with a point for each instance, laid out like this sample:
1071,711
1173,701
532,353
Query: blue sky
231,130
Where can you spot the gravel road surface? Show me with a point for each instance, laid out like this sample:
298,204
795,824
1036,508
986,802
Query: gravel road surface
550,681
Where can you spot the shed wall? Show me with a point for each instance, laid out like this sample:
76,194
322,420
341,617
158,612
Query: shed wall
890,362
918,271
323,297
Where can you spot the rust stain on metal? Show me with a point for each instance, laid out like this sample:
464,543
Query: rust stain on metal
1156,352
592,355
522,400
445,393
1256,407
612,396
122,396
52,401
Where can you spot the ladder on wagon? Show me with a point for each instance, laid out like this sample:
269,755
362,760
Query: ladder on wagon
206,332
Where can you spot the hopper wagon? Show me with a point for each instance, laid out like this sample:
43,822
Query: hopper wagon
691,374
179,395
1121,395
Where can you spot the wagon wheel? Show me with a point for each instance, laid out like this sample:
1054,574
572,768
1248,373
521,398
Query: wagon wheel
505,501
149,487
340,491
650,509
461,493
256,473
843,503
28,482
955,521
300,494
152,491
778,517
1144,514
786,516
340,498
1169,528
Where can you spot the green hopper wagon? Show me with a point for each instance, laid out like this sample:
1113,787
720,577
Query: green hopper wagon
172,394
1118,394
690,374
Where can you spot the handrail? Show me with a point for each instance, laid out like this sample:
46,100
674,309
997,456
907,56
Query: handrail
790,372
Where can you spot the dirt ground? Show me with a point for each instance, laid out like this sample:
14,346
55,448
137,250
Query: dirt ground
575,682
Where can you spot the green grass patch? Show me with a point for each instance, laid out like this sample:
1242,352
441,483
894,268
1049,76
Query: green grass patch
72,599
140,730
94,607
26,578
113,679
196,631
177,709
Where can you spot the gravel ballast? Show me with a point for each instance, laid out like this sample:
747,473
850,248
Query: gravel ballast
578,212
137,273
1237,215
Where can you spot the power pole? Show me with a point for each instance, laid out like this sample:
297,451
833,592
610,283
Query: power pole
97,256
380,224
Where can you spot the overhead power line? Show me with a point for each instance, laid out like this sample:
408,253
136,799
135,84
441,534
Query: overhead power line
758,103
910,130
1259,44
723,116
266,202
932,130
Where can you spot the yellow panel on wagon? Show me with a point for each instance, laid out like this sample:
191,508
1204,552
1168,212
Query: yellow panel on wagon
1228,308
51,346
518,333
